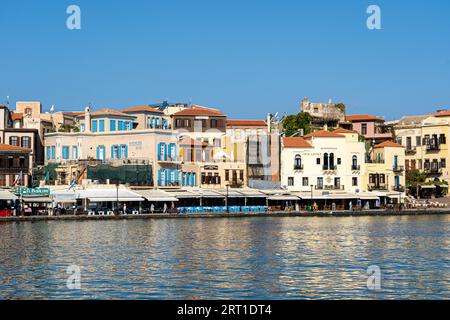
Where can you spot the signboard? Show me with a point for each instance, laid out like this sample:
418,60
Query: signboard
211,167
33,191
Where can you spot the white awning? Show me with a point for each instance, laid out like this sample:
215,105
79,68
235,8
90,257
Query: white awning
251,193
283,197
209,194
232,193
64,197
7,195
37,199
428,187
157,195
112,199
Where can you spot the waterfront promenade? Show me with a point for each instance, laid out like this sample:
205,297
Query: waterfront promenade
347,213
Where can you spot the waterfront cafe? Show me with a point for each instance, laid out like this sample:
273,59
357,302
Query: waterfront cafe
34,201
7,203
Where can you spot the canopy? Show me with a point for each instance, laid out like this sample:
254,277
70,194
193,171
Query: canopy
6,195
37,199
64,197
251,193
157,195
283,197
108,195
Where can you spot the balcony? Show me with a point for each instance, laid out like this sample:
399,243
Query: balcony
355,168
410,150
379,161
169,160
298,167
398,168
328,168
433,147
434,171
169,184
332,187
399,188
377,187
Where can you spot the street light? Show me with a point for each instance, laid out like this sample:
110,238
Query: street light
312,186
117,198
226,199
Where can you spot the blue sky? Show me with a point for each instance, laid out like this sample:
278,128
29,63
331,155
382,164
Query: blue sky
246,57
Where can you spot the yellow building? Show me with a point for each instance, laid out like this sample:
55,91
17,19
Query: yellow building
425,140
385,172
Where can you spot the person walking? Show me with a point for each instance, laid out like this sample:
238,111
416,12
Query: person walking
152,208
165,208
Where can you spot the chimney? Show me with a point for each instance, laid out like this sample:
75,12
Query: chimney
87,119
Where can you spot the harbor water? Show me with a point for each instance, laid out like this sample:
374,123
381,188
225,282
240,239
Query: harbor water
227,258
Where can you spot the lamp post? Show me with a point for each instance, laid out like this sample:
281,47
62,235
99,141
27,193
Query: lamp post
228,208
117,198
312,209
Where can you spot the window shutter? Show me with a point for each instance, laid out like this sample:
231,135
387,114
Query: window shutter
165,151
112,152
159,177
125,152
98,153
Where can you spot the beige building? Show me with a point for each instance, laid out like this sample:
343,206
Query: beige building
385,171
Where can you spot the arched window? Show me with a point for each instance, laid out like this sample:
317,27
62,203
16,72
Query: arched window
325,161
298,162
331,161
354,162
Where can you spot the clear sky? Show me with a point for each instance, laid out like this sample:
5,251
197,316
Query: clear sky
246,57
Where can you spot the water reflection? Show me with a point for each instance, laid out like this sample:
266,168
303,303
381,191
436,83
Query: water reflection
248,258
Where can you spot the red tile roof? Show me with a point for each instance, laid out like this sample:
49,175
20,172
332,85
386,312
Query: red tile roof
199,111
342,130
7,147
363,117
444,113
296,142
16,116
323,134
389,144
142,109
247,123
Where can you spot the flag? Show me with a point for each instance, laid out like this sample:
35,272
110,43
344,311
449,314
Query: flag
72,185
19,178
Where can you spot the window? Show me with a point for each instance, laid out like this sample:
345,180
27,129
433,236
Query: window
442,139
332,167
364,129
419,164
227,175
74,152
49,154
339,161
354,162
94,125
101,125
354,181
320,183
213,123
298,162
216,142
26,142
241,175
305,182
14,141
408,143
325,161
82,127
399,140
443,163
65,152
318,160
290,181
112,125
337,183
53,152
418,141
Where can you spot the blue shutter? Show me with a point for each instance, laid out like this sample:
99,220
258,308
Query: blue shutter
48,153
125,152
159,177
98,153
119,152
112,152
159,151
176,176
165,151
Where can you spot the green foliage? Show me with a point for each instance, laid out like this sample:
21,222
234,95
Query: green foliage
415,178
293,123
68,128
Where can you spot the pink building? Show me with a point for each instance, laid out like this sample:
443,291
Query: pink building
371,127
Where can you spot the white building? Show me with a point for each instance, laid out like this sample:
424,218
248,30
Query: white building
323,160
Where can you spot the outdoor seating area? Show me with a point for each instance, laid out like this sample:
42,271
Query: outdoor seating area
222,209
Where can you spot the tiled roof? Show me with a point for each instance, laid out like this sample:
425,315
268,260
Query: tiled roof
73,113
296,142
197,107
16,116
250,123
142,109
342,130
363,117
7,147
323,134
199,111
444,113
389,144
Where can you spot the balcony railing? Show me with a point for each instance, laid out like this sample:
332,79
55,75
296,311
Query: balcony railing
375,161
410,150
399,188
433,147
398,168
375,186
168,184
434,170
355,167
338,187
169,159
333,168
298,167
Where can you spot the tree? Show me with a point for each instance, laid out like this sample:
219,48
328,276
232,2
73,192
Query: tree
414,179
293,123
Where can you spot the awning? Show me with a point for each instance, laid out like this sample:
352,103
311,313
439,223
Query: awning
108,195
37,199
209,194
157,195
368,196
64,197
251,193
283,198
232,193
6,195
428,187
183,194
